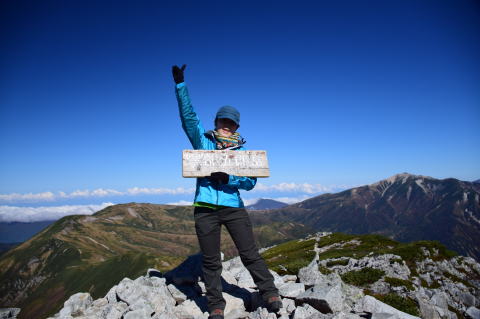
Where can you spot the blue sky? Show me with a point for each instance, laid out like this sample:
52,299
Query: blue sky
339,93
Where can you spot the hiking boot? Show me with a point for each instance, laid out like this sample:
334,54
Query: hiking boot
274,304
216,314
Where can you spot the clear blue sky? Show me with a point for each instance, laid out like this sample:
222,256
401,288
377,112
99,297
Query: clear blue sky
337,92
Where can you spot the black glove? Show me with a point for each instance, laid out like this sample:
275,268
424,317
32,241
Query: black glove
178,73
219,177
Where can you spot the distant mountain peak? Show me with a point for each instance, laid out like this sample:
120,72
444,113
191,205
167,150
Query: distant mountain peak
403,177
266,203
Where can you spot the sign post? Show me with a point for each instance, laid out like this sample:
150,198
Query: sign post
201,163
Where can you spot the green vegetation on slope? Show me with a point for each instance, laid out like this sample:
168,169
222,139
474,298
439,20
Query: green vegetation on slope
401,303
289,257
363,276
358,246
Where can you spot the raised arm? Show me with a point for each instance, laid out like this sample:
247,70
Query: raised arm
190,121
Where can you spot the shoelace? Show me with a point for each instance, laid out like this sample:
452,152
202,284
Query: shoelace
217,312
274,298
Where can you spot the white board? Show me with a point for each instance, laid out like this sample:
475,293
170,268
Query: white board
200,163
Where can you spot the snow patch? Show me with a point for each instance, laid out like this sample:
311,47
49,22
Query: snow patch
419,182
472,216
409,192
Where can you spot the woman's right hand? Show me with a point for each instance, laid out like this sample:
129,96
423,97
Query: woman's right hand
178,73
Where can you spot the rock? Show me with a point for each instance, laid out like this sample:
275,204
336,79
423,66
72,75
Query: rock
372,305
188,309
152,272
467,298
287,278
177,294
9,312
115,311
244,279
382,315
310,275
76,305
288,306
306,311
236,314
233,266
323,297
228,277
233,302
473,312
291,289
261,313
111,295
277,279
343,315
137,314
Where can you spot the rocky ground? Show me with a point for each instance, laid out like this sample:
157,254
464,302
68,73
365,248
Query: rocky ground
371,286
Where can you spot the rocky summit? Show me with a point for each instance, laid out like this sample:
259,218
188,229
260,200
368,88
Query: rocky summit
419,280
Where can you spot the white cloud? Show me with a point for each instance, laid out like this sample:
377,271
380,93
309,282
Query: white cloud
181,203
99,192
250,201
160,191
46,196
35,214
294,187
135,191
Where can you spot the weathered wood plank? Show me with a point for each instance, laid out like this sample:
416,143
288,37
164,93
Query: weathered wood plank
200,163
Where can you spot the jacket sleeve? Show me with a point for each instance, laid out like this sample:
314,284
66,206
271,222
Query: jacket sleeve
242,182
190,121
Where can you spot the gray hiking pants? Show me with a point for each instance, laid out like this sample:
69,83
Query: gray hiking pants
208,223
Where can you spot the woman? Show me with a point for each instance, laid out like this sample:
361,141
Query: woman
217,202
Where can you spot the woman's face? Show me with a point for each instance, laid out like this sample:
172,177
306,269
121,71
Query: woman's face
225,127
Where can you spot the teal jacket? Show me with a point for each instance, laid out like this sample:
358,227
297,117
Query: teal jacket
206,191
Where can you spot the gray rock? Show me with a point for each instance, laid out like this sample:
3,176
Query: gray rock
9,312
244,279
188,309
291,289
111,295
76,305
372,305
310,275
236,314
306,311
261,313
137,314
115,311
289,278
382,315
473,312
177,294
343,315
323,297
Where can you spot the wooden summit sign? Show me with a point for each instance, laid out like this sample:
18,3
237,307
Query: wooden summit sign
200,163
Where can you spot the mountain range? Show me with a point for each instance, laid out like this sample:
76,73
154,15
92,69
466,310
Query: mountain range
92,253
404,207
